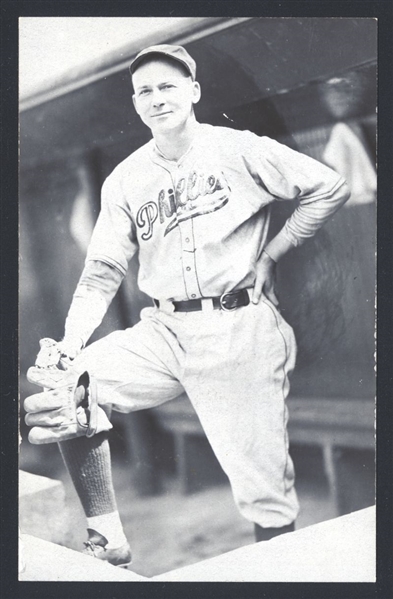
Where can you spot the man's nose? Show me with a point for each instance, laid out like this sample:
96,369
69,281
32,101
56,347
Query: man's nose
158,98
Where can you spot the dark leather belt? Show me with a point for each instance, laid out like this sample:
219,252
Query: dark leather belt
227,302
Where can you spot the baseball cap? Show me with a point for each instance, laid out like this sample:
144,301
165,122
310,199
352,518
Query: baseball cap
176,52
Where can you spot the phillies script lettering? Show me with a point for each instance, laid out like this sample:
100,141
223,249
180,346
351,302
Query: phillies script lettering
194,195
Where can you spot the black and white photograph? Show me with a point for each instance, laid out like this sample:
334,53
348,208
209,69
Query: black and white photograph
197,299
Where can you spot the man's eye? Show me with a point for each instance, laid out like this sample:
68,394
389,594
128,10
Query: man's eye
167,85
143,92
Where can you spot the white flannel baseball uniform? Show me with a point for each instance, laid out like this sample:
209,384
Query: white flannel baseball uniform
199,225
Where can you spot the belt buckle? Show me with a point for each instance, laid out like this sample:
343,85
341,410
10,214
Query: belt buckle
222,305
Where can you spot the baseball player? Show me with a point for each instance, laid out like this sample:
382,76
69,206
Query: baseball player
195,203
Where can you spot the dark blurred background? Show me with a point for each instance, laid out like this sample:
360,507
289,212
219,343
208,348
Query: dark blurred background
307,82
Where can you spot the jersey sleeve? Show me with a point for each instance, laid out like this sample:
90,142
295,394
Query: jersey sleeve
97,287
114,237
99,276
289,175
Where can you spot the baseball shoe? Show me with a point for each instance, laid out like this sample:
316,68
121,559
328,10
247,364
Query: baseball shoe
265,534
96,547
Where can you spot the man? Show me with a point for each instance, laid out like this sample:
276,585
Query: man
195,203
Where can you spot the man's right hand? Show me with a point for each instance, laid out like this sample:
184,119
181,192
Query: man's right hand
70,348
54,356
54,353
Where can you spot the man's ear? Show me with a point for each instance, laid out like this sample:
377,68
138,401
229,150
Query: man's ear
134,102
196,92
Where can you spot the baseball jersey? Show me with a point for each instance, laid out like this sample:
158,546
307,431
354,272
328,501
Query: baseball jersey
200,223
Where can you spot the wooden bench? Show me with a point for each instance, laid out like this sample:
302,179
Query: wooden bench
327,423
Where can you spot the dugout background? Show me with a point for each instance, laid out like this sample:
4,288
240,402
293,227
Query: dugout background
292,79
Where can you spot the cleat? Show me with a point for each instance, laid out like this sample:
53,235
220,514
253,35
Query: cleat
96,547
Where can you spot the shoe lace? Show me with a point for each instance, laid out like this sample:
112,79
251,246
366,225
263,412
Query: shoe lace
93,548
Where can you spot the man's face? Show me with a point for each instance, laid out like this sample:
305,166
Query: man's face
164,96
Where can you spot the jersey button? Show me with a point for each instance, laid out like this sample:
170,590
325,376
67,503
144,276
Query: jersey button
187,240
193,295
188,268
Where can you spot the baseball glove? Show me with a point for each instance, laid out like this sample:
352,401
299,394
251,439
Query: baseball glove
57,354
67,407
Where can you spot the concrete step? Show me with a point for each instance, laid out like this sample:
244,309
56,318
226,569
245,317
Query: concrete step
42,509
45,561
338,550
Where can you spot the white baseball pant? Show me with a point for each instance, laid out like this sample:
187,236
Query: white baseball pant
234,367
